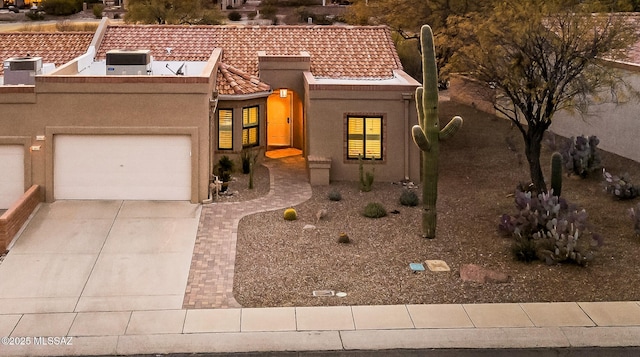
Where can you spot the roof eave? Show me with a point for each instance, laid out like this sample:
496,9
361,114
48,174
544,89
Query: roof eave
229,97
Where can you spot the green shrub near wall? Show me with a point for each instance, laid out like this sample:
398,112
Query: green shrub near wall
62,7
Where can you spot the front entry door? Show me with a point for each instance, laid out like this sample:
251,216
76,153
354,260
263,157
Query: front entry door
279,120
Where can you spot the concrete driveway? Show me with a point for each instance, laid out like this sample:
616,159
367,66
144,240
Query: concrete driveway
101,256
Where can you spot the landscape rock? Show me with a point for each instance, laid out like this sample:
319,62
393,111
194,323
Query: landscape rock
321,214
308,227
476,273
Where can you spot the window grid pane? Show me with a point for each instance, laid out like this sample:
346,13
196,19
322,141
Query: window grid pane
373,139
250,126
225,129
249,116
250,136
355,137
364,137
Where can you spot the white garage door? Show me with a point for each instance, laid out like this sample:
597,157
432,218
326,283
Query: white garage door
129,167
11,174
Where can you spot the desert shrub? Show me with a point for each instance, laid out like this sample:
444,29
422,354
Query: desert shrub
97,10
268,11
224,167
290,214
225,163
62,7
304,13
619,186
234,16
580,156
252,15
634,214
374,210
334,195
35,15
552,228
409,198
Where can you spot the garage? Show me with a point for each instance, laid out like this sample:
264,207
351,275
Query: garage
122,167
12,174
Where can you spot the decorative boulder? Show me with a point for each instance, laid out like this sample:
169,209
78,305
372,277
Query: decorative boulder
478,274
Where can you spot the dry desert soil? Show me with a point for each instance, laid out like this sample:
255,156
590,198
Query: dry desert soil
278,263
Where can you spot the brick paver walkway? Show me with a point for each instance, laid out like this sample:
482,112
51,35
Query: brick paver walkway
210,283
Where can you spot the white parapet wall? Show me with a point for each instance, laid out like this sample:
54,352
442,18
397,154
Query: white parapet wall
614,118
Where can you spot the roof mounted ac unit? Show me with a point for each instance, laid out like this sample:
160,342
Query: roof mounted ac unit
121,62
22,70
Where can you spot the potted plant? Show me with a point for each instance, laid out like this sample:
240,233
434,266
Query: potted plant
224,169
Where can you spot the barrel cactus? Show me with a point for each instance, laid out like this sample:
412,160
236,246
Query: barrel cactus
290,214
428,134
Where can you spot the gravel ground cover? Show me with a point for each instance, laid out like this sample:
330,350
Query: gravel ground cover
280,263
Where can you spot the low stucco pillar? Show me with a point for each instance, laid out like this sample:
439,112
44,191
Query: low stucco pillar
319,169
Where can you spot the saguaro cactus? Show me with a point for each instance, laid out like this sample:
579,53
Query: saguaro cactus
428,134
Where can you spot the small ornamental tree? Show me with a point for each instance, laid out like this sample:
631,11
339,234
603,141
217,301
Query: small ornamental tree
543,56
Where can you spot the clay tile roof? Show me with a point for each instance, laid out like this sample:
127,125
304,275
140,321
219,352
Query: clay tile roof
54,47
234,81
336,51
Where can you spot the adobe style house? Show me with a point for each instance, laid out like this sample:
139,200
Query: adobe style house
145,112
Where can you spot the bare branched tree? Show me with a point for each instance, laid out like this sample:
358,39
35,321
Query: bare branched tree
543,57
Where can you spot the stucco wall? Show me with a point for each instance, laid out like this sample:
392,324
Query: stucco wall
326,119
111,105
14,218
616,124
288,72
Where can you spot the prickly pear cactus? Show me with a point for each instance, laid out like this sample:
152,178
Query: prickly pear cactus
428,134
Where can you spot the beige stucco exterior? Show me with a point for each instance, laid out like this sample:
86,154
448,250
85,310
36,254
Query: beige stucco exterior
614,120
321,107
70,101
328,107
63,103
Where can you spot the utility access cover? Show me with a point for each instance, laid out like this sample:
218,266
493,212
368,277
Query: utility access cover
437,265
324,293
416,267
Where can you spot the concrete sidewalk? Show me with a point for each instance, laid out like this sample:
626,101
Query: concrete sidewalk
340,328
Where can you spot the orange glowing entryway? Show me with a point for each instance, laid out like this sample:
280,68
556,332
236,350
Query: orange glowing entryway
279,120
